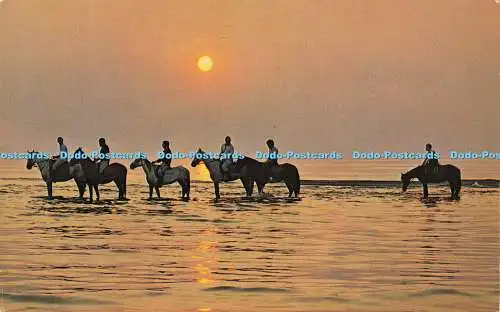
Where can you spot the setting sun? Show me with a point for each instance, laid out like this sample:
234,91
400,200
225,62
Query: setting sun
205,63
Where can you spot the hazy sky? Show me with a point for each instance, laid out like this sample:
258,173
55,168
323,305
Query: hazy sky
313,75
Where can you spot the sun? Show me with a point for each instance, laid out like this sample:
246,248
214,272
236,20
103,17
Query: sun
205,63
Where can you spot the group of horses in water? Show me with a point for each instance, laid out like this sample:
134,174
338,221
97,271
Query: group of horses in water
248,170
84,172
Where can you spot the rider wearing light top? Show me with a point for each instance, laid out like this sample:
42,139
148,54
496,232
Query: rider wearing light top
272,160
226,157
61,158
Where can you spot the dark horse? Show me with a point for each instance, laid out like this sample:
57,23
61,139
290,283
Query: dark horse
444,173
238,171
115,172
61,174
260,173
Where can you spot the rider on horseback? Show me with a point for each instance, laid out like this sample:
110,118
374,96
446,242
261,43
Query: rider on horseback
272,160
431,159
103,158
61,158
165,160
226,157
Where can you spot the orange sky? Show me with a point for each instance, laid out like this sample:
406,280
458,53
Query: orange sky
313,75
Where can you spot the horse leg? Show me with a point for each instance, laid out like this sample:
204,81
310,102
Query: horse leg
120,188
81,189
457,189
186,185
426,190
296,189
452,189
183,188
49,189
245,185
96,188
91,192
216,187
290,188
260,188
250,187
124,188
157,189
151,191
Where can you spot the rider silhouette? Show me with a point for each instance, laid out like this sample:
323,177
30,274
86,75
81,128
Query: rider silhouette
103,157
165,160
59,159
226,157
431,159
272,160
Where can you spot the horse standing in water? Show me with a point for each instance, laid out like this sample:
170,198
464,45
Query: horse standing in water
237,171
444,173
260,173
176,174
115,172
61,174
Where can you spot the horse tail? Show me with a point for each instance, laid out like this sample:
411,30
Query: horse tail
188,181
296,187
124,185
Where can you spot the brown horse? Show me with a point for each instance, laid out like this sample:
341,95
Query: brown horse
238,172
260,173
115,172
444,173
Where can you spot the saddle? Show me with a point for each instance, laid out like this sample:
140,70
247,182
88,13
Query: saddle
274,174
431,172
159,171
231,169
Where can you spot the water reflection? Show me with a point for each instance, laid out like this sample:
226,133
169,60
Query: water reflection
435,260
206,257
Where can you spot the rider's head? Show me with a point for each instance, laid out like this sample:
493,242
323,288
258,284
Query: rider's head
270,143
228,140
165,144
60,140
428,147
102,141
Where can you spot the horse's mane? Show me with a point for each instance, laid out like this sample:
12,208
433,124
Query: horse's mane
413,170
247,161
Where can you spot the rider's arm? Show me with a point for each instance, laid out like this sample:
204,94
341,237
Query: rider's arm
222,148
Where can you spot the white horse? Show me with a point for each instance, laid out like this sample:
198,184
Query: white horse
61,174
177,174
214,168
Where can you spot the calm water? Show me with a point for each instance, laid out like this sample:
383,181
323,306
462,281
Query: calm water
340,248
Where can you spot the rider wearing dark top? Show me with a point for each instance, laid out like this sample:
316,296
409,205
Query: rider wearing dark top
167,155
103,157
430,160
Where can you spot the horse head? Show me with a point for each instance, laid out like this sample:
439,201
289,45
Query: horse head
138,162
406,181
31,161
197,158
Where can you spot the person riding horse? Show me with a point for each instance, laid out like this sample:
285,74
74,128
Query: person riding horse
61,158
103,157
272,160
164,161
431,160
226,157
